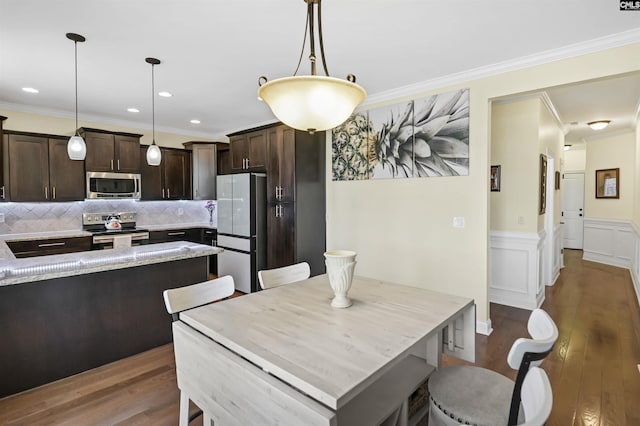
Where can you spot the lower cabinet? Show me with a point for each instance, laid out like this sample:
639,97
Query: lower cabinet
44,247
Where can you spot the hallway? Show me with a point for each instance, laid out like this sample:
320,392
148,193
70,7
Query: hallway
593,368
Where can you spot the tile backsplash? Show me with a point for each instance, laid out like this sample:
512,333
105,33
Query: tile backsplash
43,217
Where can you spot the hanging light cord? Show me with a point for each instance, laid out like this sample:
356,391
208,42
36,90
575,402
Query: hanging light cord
308,29
153,105
75,44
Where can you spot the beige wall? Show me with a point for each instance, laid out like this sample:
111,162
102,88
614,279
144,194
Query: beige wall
402,228
636,207
514,146
551,143
575,159
37,123
610,153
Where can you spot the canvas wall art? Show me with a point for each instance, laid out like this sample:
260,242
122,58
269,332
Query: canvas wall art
421,138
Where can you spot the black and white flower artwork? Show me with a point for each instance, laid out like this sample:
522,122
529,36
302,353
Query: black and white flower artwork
420,138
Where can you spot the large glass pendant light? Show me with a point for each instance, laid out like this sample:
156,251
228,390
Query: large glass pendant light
76,148
154,156
312,102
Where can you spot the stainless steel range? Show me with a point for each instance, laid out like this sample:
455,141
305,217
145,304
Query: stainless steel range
106,226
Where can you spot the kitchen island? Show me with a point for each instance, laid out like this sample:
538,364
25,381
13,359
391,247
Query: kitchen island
67,313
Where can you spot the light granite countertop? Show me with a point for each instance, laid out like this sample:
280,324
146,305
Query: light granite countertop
39,268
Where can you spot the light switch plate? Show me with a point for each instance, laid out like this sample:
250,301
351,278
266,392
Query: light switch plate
458,222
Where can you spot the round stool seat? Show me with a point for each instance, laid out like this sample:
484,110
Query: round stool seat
471,395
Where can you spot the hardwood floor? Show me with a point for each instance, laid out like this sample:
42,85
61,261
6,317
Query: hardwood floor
593,368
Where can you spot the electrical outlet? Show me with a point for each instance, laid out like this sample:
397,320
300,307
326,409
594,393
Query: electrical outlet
180,211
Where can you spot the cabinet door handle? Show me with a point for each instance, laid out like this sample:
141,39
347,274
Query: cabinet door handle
214,243
173,234
53,192
50,245
118,164
168,193
162,192
46,193
112,164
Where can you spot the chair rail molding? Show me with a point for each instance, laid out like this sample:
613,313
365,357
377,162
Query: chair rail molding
515,277
609,241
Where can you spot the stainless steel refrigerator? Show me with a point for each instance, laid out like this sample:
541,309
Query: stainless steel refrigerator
242,228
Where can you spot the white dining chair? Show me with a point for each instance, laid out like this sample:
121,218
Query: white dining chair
192,296
473,395
269,278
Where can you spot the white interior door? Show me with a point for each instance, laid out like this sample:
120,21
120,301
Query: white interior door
573,209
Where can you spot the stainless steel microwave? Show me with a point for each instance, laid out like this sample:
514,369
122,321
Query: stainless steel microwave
113,185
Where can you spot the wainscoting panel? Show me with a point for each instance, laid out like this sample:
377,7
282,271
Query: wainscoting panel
609,241
635,261
558,243
514,276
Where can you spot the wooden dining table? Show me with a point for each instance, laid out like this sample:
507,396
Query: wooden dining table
285,356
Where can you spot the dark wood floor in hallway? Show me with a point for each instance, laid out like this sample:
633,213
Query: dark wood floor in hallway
593,368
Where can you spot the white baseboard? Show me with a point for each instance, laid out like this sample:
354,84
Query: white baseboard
484,327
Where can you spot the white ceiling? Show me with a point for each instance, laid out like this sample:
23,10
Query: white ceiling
213,52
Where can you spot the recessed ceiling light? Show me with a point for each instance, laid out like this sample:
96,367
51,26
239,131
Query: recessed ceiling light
195,122
599,125
30,90
165,94
133,110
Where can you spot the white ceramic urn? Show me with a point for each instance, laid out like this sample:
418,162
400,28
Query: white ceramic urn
340,266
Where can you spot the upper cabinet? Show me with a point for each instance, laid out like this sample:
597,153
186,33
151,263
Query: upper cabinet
111,151
37,168
248,151
171,180
204,166
224,159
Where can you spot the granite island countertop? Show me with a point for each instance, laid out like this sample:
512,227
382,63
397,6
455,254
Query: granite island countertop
16,271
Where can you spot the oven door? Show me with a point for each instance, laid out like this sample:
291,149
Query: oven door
113,185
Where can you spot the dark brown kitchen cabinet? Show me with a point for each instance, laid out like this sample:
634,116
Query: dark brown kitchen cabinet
204,168
111,152
224,159
171,180
44,247
192,235
248,151
36,168
296,198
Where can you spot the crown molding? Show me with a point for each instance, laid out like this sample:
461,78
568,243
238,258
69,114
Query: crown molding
566,52
31,109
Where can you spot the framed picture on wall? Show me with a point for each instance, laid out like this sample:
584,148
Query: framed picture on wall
543,184
608,183
495,178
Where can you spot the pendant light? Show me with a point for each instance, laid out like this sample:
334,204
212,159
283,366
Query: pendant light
76,148
312,102
153,152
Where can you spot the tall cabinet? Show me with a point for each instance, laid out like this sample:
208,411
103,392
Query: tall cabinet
296,229
171,180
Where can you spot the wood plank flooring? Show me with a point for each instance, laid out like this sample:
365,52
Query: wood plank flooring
593,368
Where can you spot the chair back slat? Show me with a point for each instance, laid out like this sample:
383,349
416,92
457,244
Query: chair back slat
269,278
191,296
537,397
